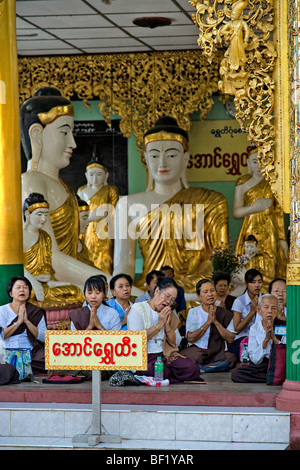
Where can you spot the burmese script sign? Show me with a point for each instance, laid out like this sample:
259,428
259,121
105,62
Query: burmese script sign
218,151
96,350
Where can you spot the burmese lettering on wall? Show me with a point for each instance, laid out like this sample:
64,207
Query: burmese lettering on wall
218,151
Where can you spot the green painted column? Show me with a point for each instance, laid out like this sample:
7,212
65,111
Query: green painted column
293,333
11,233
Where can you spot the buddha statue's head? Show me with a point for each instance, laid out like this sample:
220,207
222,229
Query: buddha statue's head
254,167
251,246
35,211
96,173
166,152
47,122
83,209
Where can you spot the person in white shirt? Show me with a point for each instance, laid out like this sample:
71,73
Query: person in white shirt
245,307
95,314
261,338
207,328
160,322
24,324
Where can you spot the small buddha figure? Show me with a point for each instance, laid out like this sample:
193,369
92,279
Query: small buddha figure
148,215
263,218
82,251
47,122
47,291
250,252
238,281
99,195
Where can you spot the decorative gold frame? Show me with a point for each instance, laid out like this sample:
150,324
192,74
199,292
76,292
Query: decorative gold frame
142,87
254,69
137,87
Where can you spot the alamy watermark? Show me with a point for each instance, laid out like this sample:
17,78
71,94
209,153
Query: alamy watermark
158,222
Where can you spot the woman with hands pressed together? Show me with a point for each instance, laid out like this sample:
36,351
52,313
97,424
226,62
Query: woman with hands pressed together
245,308
160,322
208,328
24,324
95,314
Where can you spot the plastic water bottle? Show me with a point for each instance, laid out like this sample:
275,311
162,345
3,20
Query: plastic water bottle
159,370
244,355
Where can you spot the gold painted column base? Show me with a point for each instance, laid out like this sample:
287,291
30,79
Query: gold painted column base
293,274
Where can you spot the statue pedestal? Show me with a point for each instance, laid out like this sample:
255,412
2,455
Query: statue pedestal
289,400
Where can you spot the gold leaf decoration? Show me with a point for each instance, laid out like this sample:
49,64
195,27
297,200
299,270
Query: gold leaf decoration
137,87
242,30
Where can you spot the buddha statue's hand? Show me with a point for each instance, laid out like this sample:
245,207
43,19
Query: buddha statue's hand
52,284
38,290
261,205
285,248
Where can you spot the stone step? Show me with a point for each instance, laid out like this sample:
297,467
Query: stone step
180,425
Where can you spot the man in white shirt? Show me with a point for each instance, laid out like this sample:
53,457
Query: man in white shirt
261,338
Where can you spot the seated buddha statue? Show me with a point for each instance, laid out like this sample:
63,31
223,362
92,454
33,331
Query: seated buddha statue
263,218
47,291
82,251
98,194
175,225
47,122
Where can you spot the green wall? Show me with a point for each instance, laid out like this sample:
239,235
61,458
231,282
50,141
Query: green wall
137,178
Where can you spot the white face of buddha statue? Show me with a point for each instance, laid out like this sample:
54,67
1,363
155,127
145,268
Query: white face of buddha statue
250,249
254,167
58,142
96,177
166,161
37,219
83,221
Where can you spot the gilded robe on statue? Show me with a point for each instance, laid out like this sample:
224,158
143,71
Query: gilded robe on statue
268,228
100,251
189,265
37,261
65,223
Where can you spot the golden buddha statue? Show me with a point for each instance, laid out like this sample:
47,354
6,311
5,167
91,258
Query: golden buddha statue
47,291
82,250
263,218
47,122
175,225
99,195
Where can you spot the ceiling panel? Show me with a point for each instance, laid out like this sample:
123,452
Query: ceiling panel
102,26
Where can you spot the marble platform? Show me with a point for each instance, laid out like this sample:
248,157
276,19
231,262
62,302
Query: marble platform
164,426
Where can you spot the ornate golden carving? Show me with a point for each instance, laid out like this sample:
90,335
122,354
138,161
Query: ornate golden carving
244,30
294,137
138,87
293,274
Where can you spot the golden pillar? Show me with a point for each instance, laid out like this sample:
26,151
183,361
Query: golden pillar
11,244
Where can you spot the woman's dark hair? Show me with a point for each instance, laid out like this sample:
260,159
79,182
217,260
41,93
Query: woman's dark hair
165,282
33,198
43,100
12,282
94,282
275,280
251,274
114,279
220,276
151,275
199,284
